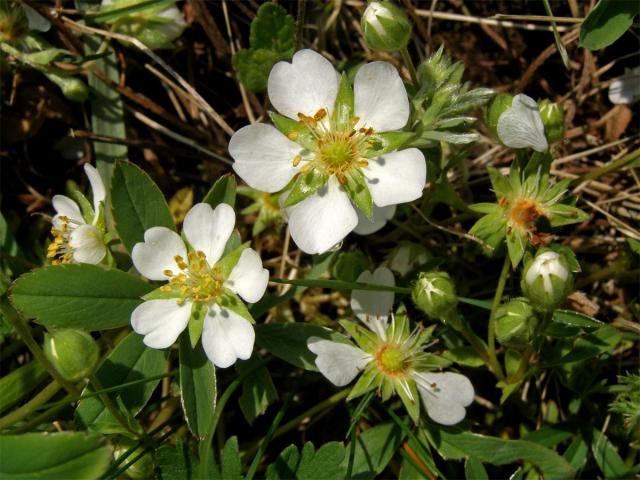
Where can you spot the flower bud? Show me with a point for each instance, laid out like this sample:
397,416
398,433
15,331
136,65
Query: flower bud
406,256
434,293
142,468
500,104
552,119
547,280
73,353
516,323
386,27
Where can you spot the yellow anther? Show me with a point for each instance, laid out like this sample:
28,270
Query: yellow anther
167,273
296,160
341,178
352,132
292,135
354,120
363,163
305,168
165,288
320,114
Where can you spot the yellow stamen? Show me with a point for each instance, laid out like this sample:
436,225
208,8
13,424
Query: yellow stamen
292,135
296,160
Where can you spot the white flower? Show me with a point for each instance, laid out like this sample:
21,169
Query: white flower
520,126
626,88
389,354
380,217
76,239
199,281
335,148
545,265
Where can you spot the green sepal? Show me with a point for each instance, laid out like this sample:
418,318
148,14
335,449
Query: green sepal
386,389
229,261
399,325
288,126
491,229
553,193
306,184
430,362
365,338
486,208
516,245
343,107
386,142
160,294
231,301
370,379
356,188
500,183
196,322
424,336
85,206
235,241
561,214
411,402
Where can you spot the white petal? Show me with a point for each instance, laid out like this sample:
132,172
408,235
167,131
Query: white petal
339,362
305,85
226,337
156,254
248,279
322,220
520,126
207,230
626,88
97,187
396,177
35,20
263,157
175,27
381,215
65,207
380,99
373,307
160,321
87,244
445,395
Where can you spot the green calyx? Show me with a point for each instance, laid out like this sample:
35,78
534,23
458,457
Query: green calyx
73,353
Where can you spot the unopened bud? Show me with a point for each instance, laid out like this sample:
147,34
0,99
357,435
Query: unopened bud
435,294
385,27
142,468
501,103
516,323
547,280
553,119
73,353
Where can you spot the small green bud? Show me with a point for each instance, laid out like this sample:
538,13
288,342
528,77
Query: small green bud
435,294
73,353
385,27
516,323
547,280
75,90
553,120
501,103
142,468
13,21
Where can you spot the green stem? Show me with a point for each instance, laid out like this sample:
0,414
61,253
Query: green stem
607,168
412,68
29,407
37,420
522,368
340,285
491,337
113,410
25,333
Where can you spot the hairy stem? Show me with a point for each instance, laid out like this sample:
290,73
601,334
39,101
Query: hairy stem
491,335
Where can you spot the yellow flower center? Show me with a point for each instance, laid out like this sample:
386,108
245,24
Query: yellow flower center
196,280
59,250
524,214
392,360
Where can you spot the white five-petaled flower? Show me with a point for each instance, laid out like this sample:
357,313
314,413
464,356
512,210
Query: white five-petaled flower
201,280
335,148
520,126
76,238
545,265
389,354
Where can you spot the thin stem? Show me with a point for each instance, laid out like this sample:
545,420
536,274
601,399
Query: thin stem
412,68
37,420
113,410
300,22
607,168
29,407
522,368
491,337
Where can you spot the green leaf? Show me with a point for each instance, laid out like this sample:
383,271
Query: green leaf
356,188
197,386
79,296
223,191
607,22
577,453
44,57
131,360
284,467
575,319
306,184
374,449
19,383
288,341
464,356
325,463
53,456
349,265
231,465
273,29
486,208
601,341
253,66
137,203
491,229
453,444
607,457
258,390
473,470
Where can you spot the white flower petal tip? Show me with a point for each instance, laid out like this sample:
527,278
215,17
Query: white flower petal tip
545,265
259,148
520,126
374,307
208,229
396,177
321,221
160,321
380,98
306,85
226,337
248,279
157,253
626,88
445,395
340,363
97,186
380,217
87,244
65,207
